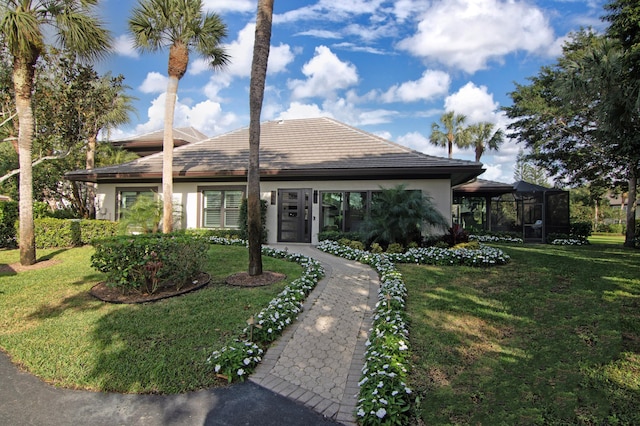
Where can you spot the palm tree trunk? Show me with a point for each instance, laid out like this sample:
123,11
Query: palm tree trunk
630,234
23,73
90,207
256,96
167,155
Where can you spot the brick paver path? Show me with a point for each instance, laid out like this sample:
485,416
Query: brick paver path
318,360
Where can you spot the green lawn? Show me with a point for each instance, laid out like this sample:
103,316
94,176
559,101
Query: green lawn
551,338
51,326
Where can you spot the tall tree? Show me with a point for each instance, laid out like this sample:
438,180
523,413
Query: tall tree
23,25
529,172
482,137
183,27
261,49
451,131
580,117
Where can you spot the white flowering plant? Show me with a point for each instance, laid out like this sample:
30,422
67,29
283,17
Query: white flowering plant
238,360
568,242
495,239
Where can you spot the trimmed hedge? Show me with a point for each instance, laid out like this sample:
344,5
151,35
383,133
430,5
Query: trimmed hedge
146,262
52,233
8,218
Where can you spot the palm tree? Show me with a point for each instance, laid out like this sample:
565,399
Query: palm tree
482,137
453,132
108,107
22,25
261,48
182,26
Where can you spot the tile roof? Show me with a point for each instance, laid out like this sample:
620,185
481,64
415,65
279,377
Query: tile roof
300,148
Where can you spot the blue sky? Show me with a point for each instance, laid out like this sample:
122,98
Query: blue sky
388,67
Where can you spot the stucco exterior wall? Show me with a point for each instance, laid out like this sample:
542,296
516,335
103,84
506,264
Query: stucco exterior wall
186,195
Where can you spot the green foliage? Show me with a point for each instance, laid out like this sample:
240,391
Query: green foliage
580,229
376,248
398,215
145,262
143,216
244,229
395,248
356,245
337,235
455,235
8,217
471,245
208,233
52,232
91,229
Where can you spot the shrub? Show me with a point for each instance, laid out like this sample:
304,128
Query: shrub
580,229
50,232
143,216
8,218
244,231
456,235
376,248
471,245
356,245
208,233
91,229
146,262
617,228
395,248
338,235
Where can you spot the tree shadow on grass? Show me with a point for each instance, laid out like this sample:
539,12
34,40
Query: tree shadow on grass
544,339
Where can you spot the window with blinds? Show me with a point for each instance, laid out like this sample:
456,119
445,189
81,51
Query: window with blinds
222,208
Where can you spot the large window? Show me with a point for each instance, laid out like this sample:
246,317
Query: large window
221,208
344,210
128,196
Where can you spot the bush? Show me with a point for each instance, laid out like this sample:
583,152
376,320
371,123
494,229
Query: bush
50,232
356,245
8,218
208,233
91,229
471,245
338,235
456,235
148,261
617,228
395,248
244,230
580,229
376,248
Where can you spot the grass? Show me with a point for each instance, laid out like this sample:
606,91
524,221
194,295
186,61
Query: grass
606,238
50,325
551,338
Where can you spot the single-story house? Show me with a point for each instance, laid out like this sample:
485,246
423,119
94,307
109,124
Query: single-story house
151,143
317,174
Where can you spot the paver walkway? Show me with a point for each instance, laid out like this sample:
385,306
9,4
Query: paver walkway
318,360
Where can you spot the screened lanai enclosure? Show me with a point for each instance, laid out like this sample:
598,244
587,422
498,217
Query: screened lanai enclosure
529,210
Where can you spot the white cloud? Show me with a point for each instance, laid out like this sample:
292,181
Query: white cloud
241,52
473,101
420,142
430,85
206,116
300,110
123,46
222,6
326,74
154,83
468,34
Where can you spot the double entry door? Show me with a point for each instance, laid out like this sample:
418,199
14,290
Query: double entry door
294,215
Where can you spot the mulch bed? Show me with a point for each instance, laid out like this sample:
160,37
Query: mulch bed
115,295
243,279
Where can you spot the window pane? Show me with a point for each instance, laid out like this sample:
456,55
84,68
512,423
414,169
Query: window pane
232,219
357,202
212,199
233,199
332,211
